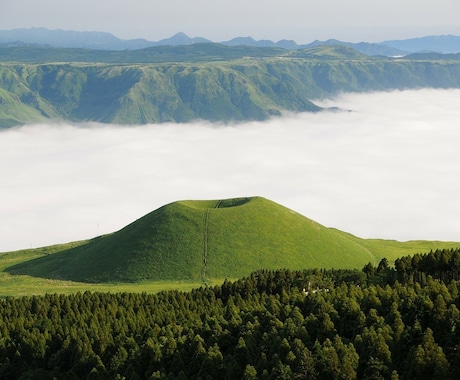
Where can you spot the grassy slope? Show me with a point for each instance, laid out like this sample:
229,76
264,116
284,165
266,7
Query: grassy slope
196,241
19,103
22,285
157,245
262,234
199,86
134,94
169,244
392,249
160,54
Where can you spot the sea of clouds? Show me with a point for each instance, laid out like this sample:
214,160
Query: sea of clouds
390,169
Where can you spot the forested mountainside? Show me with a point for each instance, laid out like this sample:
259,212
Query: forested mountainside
214,83
378,323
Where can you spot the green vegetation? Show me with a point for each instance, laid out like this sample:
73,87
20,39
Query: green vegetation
97,311
204,242
310,324
24,285
200,81
392,249
385,321
205,52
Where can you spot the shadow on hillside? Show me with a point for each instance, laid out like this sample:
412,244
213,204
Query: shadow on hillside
56,266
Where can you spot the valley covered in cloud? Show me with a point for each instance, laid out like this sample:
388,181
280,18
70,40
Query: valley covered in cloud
389,168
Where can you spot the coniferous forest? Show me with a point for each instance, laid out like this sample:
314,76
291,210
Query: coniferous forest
381,322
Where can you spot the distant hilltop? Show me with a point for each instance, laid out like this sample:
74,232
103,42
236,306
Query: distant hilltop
445,44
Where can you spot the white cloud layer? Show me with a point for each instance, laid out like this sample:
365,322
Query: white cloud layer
389,169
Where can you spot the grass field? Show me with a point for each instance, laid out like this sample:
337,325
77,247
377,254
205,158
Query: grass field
200,240
17,286
187,244
23,285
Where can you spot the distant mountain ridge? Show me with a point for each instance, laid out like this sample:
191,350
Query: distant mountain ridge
107,41
445,44
203,81
86,40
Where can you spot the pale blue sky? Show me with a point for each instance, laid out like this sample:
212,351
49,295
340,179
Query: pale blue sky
300,20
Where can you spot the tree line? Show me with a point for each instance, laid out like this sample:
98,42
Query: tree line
441,264
377,323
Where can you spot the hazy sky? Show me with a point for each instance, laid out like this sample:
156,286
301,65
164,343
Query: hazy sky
300,20
389,169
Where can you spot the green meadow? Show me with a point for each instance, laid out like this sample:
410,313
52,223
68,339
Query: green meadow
187,244
25,285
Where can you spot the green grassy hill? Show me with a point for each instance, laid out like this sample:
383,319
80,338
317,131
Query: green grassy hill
205,240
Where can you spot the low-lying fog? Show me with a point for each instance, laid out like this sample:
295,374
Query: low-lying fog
389,169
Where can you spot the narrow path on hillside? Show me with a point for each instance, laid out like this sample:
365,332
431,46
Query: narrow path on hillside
204,270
